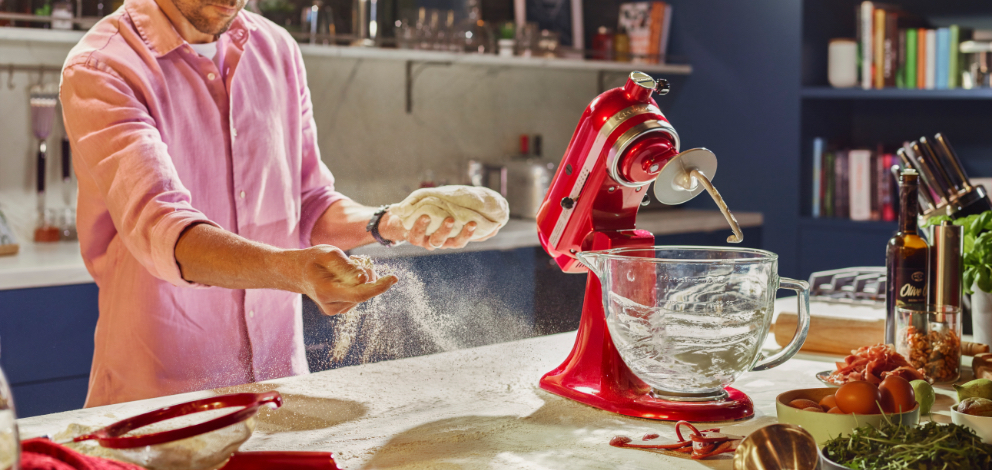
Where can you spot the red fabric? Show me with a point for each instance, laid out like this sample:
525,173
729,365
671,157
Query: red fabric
42,454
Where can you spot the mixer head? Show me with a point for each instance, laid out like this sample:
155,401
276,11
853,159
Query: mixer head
623,143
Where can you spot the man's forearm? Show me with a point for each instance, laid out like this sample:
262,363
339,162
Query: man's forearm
215,257
343,225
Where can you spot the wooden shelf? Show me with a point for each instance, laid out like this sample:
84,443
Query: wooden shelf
827,93
72,37
847,224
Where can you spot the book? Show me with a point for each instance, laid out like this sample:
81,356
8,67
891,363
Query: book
841,185
901,59
910,58
931,59
884,188
859,184
666,29
866,17
890,47
942,52
953,67
878,44
645,24
921,58
828,184
817,176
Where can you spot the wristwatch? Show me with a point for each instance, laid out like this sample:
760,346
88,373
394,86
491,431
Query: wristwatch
373,227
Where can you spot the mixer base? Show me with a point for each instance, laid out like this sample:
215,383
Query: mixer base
736,407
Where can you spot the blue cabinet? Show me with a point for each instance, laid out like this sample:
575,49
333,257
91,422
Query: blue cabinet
46,345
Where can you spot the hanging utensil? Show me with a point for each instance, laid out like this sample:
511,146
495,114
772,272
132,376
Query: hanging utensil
43,101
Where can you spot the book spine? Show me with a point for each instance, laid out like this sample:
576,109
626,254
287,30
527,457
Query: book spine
842,185
878,31
867,43
828,183
901,60
883,176
942,53
873,195
954,68
889,49
921,58
666,29
654,44
817,176
931,59
859,184
911,58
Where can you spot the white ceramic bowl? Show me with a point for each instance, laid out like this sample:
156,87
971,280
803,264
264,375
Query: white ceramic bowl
982,425
825,426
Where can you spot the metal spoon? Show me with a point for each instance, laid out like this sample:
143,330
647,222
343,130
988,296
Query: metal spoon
778,447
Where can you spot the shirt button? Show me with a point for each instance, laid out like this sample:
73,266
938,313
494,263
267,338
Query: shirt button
251,313
242,194
234,132
211,76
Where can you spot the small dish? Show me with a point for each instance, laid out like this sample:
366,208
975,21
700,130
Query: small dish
822,377
982,425
825,426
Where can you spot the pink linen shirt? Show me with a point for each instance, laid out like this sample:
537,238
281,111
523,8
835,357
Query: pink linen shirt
161,140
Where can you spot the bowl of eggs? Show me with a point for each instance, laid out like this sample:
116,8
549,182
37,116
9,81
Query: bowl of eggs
830,412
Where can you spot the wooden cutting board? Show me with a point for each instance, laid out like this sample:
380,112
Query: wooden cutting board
834,328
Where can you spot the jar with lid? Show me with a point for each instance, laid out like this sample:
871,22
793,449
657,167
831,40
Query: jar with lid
929,337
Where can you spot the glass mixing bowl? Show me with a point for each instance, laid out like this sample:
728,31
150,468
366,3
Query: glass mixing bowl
688,321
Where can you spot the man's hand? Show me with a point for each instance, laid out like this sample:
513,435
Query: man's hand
337,283
392,228
215,257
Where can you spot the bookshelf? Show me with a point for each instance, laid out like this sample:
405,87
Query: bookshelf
863,118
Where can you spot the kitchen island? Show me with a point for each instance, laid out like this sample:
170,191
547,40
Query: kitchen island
472,408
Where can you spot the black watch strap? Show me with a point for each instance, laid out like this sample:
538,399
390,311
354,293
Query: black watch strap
373,227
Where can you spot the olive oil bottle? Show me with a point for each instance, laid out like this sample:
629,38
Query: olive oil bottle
907,258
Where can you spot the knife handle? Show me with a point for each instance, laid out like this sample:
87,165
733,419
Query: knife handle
66,159
943,147
937,167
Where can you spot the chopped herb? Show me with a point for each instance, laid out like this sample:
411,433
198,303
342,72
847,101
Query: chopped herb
895,447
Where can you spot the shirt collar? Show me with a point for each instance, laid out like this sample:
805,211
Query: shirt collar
162,38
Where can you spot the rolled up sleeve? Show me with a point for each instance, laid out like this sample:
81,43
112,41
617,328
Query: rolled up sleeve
118,147
317,182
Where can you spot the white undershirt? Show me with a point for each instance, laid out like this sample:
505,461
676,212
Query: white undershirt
208,50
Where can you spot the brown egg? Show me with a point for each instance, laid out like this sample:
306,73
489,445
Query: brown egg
897,395
858,397
836,411
802,403
816,409
828,402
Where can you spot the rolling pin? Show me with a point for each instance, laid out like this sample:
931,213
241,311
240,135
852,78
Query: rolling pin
829,334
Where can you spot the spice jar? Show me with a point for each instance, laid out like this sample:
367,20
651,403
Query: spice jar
929,337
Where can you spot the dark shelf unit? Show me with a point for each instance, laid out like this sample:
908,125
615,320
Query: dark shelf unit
857,118
827,93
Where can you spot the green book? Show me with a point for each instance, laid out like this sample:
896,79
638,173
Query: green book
911,56
953,70
828,184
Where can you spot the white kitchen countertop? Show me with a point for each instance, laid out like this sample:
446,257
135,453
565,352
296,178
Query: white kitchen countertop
57,264
471,408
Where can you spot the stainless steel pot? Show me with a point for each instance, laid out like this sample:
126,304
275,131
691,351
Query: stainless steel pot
522,182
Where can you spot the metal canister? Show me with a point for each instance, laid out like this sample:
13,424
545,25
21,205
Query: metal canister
945,264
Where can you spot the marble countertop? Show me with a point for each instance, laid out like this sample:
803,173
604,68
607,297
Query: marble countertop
57,264
472,408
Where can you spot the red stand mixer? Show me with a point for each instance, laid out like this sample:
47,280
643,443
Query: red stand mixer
622,143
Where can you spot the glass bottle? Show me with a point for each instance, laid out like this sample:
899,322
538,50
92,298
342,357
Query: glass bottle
907,262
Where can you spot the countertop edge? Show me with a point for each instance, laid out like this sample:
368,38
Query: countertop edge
60,264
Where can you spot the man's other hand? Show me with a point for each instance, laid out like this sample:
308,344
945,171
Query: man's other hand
337,283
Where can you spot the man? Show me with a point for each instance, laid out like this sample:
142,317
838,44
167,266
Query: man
204,209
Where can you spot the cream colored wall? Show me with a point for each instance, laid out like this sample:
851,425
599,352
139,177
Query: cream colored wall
377,152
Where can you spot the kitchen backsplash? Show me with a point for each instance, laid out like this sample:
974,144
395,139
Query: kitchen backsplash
377,152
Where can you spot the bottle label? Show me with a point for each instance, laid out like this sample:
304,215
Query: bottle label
911,286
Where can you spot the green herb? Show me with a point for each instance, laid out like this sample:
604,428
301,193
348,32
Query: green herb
897,447
977,258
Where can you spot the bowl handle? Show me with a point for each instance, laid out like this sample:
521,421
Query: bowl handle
802,290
